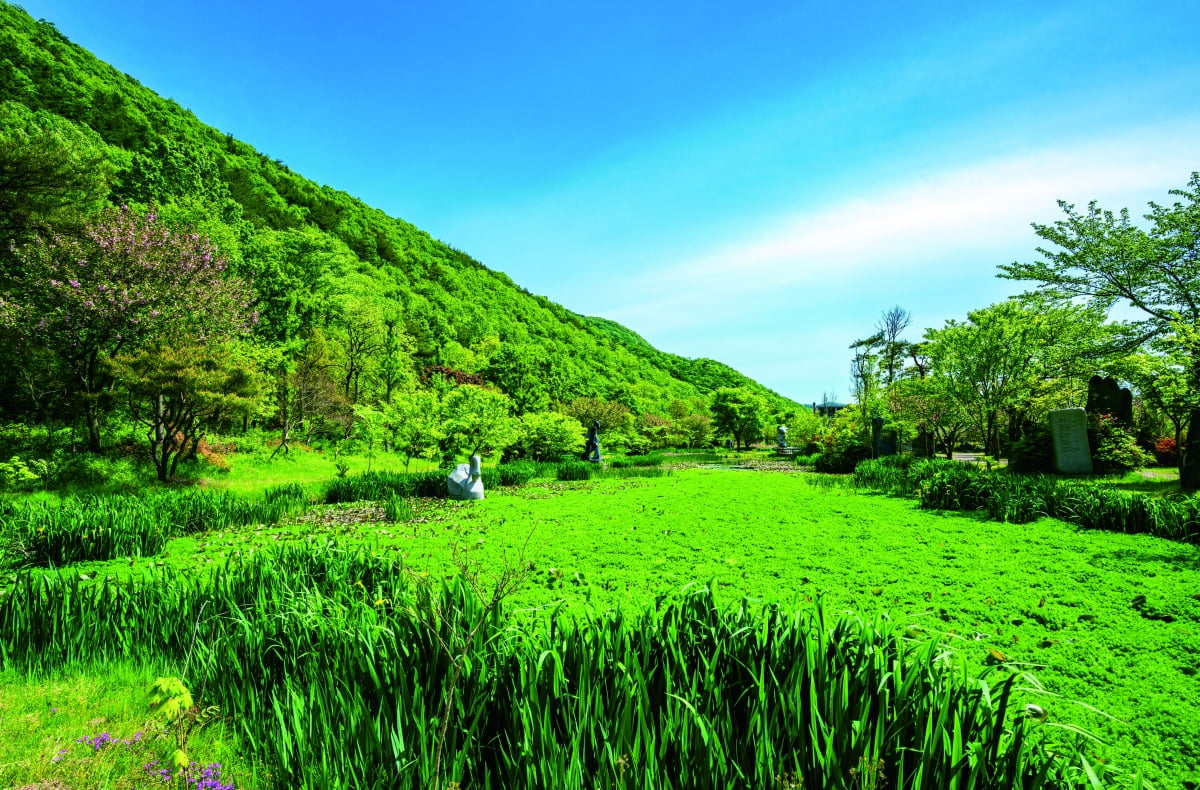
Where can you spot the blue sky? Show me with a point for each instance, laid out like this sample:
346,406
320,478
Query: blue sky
754,183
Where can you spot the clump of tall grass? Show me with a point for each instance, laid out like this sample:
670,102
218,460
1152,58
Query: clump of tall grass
575,470
379,486
1017,498
805,460
518,473
585,470
107,526
342,672
397,508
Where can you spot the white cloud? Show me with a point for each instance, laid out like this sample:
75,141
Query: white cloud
921,228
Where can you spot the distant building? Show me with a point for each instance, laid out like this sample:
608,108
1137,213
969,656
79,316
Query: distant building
828,408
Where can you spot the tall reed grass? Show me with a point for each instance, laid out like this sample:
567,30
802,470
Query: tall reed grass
105,527
1019,499
343,673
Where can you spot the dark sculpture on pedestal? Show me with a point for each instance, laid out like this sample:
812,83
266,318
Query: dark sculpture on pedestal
592,451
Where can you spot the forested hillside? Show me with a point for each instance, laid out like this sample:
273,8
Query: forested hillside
345,308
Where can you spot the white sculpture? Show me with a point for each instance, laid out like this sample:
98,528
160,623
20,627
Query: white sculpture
465,482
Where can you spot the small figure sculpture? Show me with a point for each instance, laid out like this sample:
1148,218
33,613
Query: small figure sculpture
592,451
781,436
465,482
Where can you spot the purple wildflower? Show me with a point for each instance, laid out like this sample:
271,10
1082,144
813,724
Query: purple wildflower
97,742
209,778
162,774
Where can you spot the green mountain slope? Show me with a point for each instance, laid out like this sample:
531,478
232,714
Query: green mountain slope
375,289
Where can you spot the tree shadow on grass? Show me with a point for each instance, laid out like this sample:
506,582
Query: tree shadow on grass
1191,562
1151,485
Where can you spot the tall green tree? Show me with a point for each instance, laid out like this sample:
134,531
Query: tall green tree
549,436
125,282
520,371
178,391
415,419
1001,358
477,421
1106,259
987,363
931,406
740,413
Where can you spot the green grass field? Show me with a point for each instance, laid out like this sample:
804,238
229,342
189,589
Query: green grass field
1103,620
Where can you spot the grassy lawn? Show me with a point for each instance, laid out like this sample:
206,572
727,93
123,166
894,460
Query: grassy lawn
54,730
1156,481
1109,620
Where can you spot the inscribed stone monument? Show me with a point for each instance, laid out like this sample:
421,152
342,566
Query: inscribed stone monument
1068,428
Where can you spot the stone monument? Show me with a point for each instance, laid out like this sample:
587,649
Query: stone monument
1068,429
781,437
1106,396
465,481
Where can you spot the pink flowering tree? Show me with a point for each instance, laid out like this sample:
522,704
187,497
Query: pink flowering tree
127,280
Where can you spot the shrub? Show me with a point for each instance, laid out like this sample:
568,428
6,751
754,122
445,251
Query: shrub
397,508
1033,452
109,526
16,475
1165,451
291,493
1115,450
548,436
379,486
633,471
888,474
88,470
214,455
840,461
1017,499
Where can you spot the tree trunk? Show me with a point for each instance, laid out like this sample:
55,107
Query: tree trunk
1189,460
158,440
90,388
91,411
